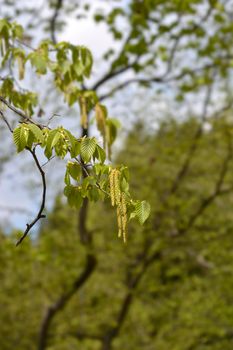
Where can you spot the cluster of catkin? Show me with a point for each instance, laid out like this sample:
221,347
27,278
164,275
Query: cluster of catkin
118,200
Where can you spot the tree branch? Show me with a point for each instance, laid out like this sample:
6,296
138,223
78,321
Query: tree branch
20,113
218,191
6,121
109,76
111,73
133,282
14,109
163,79
184,168
53,21
62,301
39,214
91,262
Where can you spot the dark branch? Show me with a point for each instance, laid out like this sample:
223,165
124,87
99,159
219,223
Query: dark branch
6,121
53,21
39,214
20,113
60,304
218,191
111,73
184,168
109,76
133,282
83,335
91,262
160,79
17,111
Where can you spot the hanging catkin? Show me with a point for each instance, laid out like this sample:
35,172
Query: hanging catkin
83,110
118,199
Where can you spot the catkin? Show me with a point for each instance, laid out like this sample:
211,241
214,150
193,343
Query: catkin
118,199
117,186
119,222
101,122
112,187
83,109
124,217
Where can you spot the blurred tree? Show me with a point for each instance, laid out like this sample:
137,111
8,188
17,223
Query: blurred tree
185,49
170,288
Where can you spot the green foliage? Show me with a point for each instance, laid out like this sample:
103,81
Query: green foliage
182,298
72,65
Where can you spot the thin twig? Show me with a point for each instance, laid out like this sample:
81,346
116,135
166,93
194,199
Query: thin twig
39,214
161,79
218,191
83,166
20,113
6,121
48,161
14,109
58,6
184,168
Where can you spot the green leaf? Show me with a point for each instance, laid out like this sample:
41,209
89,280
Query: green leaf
52,139
55,139
30,139
39,61
37,132
48,148
100,154
88,146
20,136
61,148
17,30
23,138
16,137
111,133
142,211
75,170
75,151
67,178
93,194
71,138
124,185
74,196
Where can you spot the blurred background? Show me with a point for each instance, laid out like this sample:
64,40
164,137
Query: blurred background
164,70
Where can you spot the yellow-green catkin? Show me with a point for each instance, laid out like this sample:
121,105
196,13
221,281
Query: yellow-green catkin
117,186
101,122
112,187
118,199
119,222
124,217
83,109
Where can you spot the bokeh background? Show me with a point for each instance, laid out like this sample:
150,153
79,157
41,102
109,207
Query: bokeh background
164,70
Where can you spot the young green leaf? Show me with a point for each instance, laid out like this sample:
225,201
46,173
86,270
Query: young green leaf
53,134
88,146
37,132
100,154
16,137
74,196
142,211
20,136
75,170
